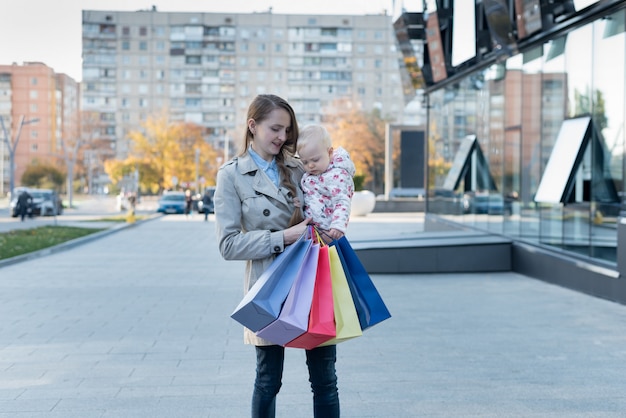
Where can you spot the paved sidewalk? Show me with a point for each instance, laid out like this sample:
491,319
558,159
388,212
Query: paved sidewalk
87,213
136,324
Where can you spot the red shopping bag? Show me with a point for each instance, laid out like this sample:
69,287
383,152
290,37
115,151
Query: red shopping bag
321,326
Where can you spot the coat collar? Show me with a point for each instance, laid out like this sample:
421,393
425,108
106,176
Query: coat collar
261,183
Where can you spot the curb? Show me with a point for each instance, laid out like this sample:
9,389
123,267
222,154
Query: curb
73,243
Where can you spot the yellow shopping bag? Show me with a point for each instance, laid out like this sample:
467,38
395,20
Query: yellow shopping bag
346,318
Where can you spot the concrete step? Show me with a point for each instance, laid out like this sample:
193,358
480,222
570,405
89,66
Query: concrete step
436,252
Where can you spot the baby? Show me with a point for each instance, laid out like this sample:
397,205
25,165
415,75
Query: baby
327,184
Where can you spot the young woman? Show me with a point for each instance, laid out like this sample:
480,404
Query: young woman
257,208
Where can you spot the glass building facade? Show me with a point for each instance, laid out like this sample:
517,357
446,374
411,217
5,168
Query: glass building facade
549,118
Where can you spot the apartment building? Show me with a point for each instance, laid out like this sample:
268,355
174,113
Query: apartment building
205,68
47,104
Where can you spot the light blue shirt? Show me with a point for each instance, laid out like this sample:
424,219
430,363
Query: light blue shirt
270,169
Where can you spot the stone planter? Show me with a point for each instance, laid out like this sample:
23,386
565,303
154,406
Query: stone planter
363,202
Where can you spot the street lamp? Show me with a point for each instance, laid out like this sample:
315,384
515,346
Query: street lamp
12,147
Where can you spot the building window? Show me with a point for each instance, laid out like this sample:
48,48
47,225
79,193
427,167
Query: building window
193,59
125,45
34,134
33,147
143,46
143,31
125,31
33,107
34,94
311,47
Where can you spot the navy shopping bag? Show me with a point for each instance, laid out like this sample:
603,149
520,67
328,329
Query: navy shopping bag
263,302
369,304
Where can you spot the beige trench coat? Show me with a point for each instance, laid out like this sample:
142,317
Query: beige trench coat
251,214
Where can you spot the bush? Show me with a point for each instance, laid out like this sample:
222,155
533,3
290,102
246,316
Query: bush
359,179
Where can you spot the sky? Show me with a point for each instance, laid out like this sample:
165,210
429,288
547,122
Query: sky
49,31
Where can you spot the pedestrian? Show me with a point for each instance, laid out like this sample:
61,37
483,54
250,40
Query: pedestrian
188,202
24,202
257,214
206,204
328,183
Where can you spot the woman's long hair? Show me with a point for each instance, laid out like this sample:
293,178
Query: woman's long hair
259,110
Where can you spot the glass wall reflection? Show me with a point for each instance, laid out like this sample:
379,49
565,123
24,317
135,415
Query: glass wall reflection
515,110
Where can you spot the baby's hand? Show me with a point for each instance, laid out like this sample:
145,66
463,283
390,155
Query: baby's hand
335,233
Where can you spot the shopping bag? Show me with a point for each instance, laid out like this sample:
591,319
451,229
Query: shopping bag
293,319
321,324
346,319
262,304
368,302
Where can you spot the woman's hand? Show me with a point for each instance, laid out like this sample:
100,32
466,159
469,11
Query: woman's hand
291,234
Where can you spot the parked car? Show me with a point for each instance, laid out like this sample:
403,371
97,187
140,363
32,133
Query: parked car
46,202
200,206
492,204
172,202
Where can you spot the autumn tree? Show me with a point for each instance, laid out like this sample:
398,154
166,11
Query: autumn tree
163,150
362,134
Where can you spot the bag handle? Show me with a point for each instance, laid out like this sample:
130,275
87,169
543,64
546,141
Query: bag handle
315,233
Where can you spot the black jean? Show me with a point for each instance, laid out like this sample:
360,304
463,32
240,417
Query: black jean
322,375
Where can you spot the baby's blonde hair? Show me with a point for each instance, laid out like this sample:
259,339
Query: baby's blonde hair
314,133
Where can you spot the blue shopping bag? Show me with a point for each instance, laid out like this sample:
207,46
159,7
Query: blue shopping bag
263,302
369,304
293,320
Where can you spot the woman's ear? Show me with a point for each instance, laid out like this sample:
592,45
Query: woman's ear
252,126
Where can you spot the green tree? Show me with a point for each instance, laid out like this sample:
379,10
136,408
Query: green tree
592,104
43,176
